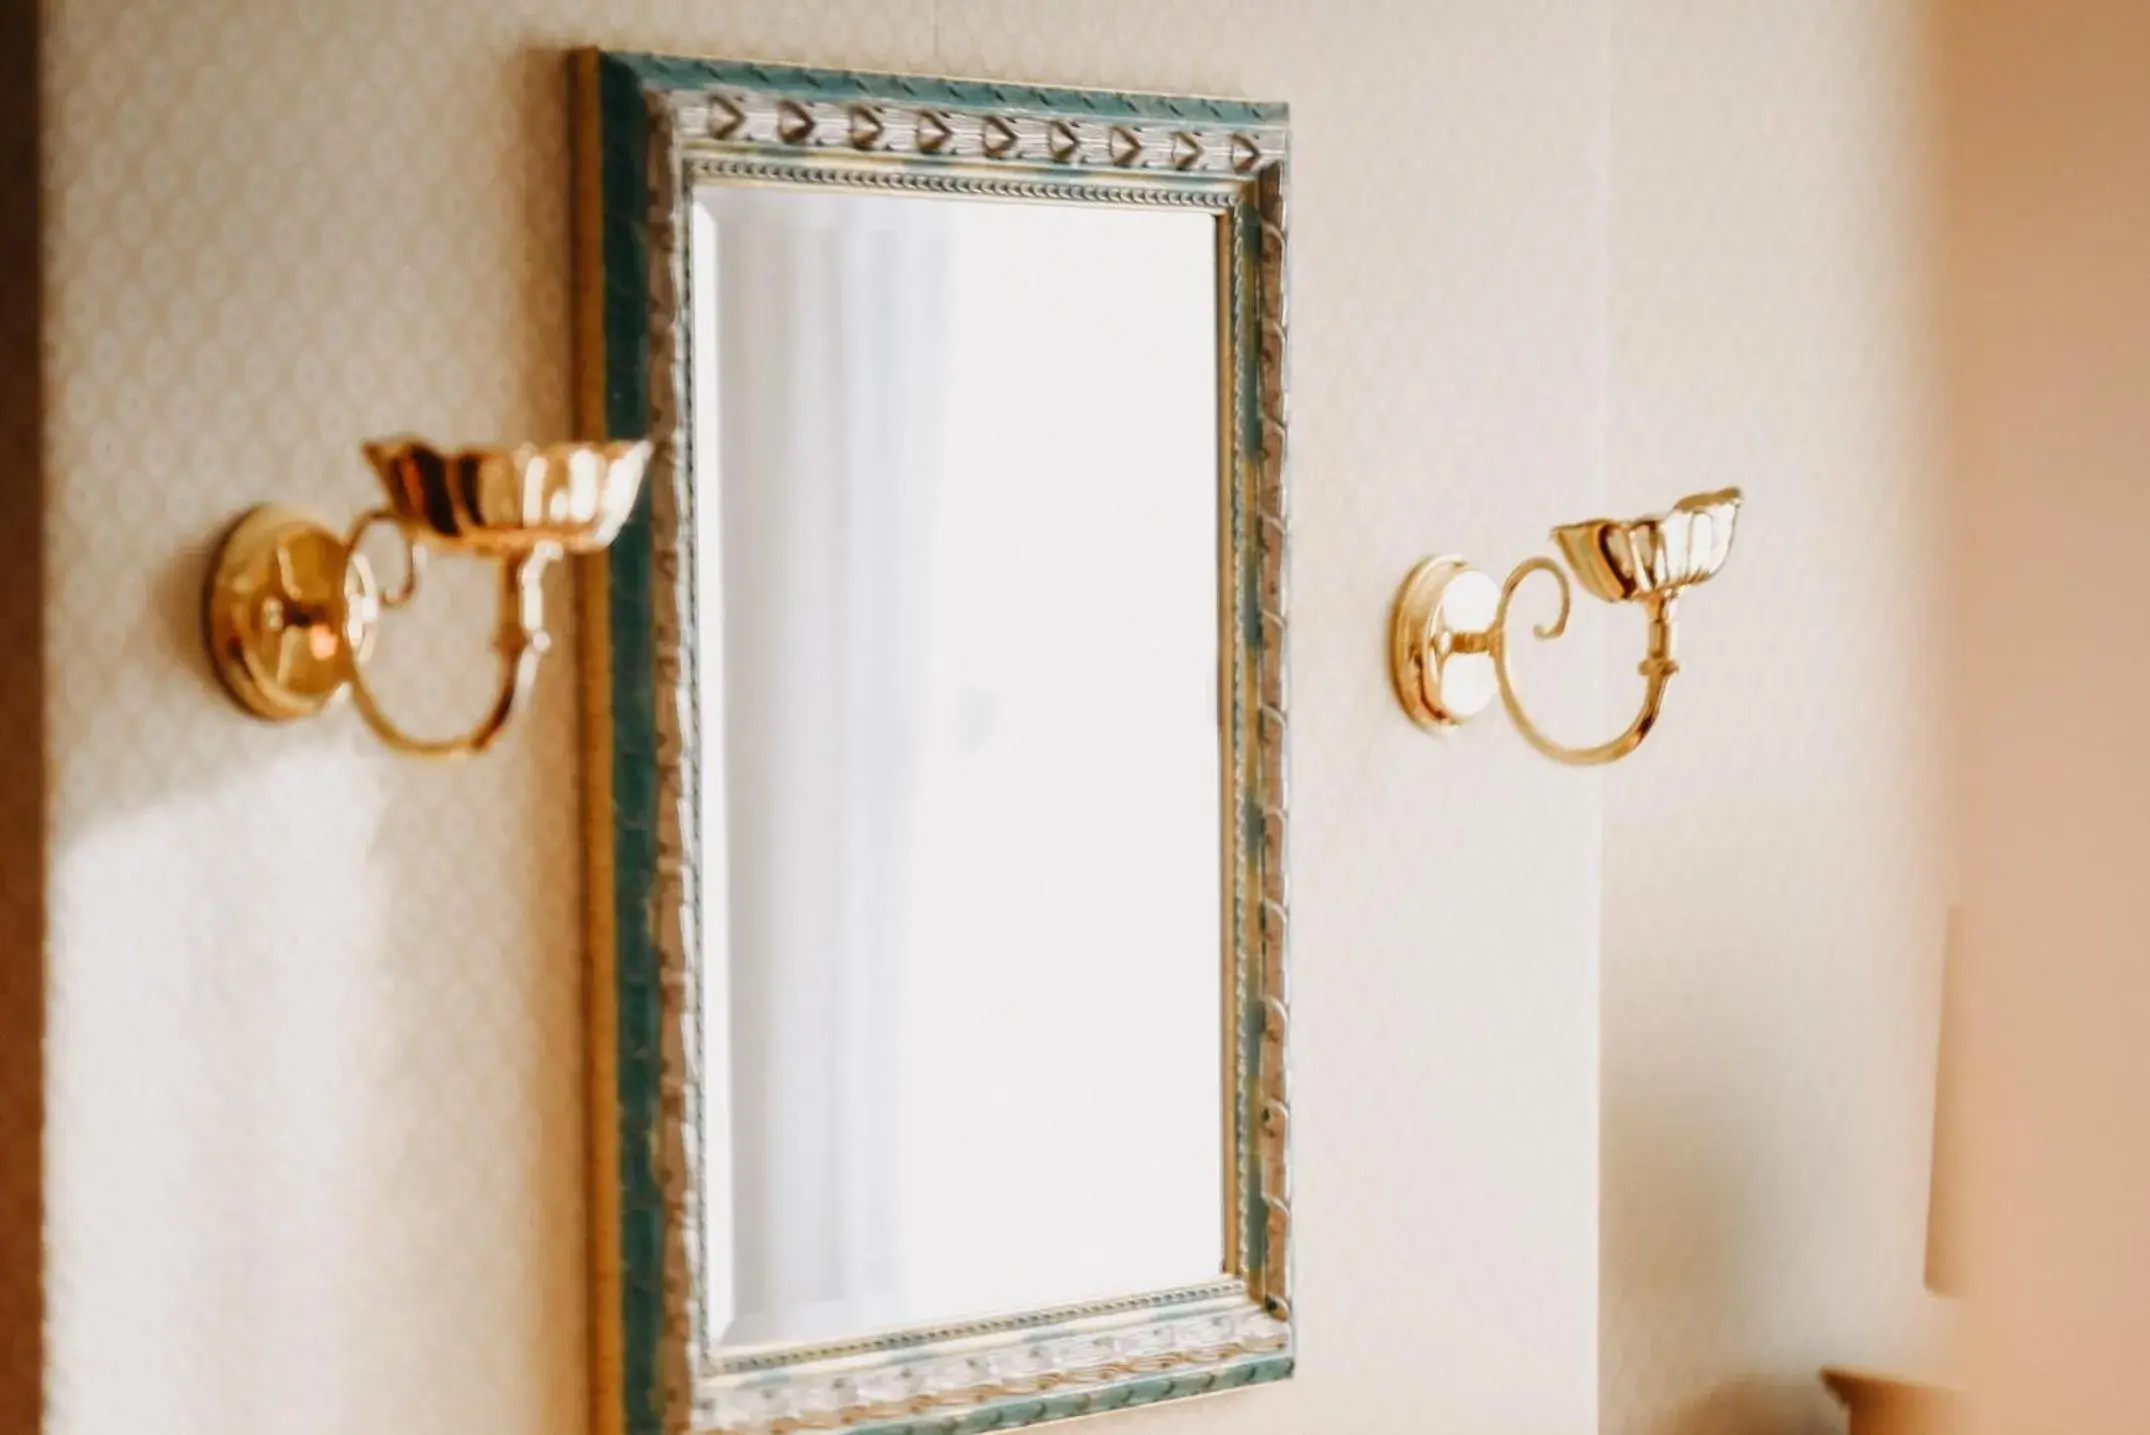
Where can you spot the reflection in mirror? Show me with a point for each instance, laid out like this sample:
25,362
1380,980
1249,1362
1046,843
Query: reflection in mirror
956,477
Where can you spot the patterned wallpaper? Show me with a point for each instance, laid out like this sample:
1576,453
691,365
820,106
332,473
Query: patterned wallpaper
312,1015
314,1154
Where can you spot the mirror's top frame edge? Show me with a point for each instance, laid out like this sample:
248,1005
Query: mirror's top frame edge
648,1353
656,73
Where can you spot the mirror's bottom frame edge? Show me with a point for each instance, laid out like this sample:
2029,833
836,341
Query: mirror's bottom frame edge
1090,1402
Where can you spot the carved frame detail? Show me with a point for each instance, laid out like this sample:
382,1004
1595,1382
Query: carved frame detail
650,129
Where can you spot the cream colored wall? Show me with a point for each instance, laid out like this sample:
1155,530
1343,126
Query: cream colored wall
313,1148
1774,895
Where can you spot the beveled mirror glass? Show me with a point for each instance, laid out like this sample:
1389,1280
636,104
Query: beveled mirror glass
937,747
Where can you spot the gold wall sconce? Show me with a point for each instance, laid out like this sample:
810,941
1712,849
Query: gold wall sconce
1448,631
291,606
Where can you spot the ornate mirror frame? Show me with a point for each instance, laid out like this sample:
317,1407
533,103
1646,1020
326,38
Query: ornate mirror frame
651,128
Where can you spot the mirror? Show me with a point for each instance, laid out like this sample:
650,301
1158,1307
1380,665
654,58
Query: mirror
938,728
961,775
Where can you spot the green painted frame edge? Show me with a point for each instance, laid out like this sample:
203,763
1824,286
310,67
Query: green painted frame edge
623,85
622,128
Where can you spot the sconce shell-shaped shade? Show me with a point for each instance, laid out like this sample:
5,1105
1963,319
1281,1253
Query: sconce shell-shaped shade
1660,554
510,500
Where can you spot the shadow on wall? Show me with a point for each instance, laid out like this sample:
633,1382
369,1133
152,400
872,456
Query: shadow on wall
1759,1407
22,748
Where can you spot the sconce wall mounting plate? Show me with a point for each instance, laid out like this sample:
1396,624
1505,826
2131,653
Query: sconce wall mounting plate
1448,630
291,606
1438,653
272,599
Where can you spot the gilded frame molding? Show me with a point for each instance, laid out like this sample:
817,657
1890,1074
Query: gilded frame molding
649,129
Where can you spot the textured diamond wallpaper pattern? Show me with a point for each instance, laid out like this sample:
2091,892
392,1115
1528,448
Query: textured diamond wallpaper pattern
314,1150
312,1014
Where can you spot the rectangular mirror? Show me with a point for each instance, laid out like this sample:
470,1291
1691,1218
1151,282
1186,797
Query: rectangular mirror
937,748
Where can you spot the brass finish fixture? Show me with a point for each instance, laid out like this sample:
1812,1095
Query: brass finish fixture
290,606
1448,631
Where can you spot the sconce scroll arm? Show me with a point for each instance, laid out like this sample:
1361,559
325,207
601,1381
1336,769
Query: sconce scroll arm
520,640
1657,668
